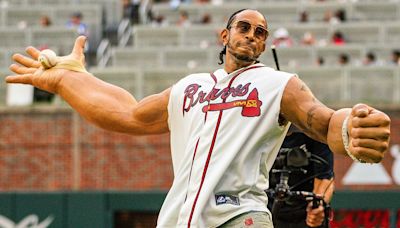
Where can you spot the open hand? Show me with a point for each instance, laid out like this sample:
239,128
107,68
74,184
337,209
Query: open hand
30,71
369,133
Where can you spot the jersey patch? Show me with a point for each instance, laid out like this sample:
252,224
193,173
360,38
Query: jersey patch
226,199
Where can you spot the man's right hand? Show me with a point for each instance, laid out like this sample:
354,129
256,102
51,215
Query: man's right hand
315,216
30,71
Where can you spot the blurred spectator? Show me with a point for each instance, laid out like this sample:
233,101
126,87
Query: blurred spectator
76,23
320,61
303,17
308,39
330,17
45,21
183,20
396,57
159,21
282,38
131,11
343,59
338,38
205,19
340,14
370,59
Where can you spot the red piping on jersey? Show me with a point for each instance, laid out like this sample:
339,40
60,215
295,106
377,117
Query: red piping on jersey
191,166
205,118
213,143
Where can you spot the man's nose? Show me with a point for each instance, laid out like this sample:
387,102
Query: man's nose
250,34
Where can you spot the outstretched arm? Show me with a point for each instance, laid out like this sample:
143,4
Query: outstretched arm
368,128
101,103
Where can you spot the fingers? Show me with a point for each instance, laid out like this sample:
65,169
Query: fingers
367,155
21,69
316,216
24,79
374,119
26,61
79,46
33,52
370,133
360,110
370,143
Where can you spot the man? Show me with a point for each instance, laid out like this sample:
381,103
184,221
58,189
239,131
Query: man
224,126
311,166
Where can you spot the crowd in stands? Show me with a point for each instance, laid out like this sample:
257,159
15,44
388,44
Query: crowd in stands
280,37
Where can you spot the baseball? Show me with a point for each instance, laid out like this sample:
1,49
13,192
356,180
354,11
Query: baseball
47,58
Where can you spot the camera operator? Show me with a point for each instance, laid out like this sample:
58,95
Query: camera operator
311,169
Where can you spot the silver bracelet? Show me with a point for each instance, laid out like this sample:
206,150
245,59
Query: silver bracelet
345,138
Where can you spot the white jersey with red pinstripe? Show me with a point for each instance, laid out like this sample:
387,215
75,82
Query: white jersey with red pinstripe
225,136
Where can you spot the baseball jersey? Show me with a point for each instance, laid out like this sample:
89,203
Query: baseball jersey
225,136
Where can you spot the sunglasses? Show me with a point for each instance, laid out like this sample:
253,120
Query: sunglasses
244,27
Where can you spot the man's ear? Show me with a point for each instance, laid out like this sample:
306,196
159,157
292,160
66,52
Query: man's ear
224,35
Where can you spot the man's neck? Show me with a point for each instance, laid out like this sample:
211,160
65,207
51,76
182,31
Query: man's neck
232,64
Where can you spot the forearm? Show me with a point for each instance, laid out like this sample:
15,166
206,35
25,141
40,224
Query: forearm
324,187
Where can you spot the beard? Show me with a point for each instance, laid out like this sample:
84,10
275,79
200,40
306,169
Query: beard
241,57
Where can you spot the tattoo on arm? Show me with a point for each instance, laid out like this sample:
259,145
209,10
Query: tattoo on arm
310,115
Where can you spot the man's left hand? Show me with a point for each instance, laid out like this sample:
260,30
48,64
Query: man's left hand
369,133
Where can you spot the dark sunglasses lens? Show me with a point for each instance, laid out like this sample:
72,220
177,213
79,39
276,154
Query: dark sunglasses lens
260,32
243,26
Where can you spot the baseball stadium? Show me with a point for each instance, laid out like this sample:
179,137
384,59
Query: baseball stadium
154,113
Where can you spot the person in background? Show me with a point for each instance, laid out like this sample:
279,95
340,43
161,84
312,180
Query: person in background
75,22
45,21
338,38
184,19
282,38
370,59
303,17
308,39
395,57
320,61
320,165
343,59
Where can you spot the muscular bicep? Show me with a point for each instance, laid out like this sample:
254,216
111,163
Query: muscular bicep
150,115
300,107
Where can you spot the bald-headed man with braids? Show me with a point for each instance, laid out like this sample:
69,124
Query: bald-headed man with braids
226,127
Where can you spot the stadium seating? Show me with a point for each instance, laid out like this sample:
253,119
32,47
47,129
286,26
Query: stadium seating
373,85
327,83
145,36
